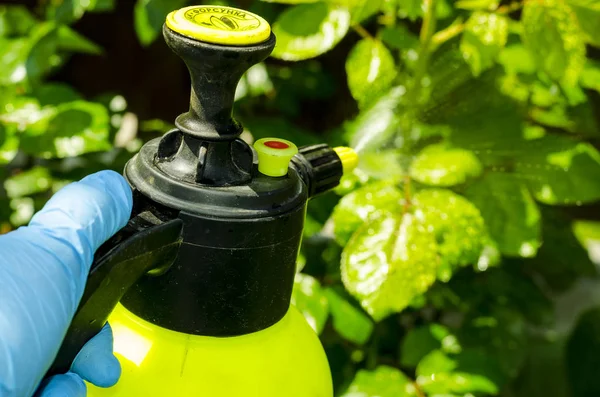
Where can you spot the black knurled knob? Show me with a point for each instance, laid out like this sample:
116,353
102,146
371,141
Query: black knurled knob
320,167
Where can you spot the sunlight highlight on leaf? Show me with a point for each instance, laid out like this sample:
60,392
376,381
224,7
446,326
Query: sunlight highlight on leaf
388,262
308,30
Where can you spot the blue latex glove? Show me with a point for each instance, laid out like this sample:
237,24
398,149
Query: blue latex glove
43,271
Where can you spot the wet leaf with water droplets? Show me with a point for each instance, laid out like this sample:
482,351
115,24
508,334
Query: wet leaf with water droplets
484,37
560,170
371,70
552,34
377,124
440,165
357,207
511,215
389,261
457,225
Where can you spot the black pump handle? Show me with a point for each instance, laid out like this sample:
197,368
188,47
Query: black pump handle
142,246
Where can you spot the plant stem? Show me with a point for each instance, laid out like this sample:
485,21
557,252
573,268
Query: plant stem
362,32
418,390
444,35
507,9
425,36
414,91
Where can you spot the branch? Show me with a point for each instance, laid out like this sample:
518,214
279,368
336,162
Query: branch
507,9
446,34
428,27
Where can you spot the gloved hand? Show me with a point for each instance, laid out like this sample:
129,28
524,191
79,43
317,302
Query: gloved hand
43,271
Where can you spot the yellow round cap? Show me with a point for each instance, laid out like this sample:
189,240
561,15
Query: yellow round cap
219,25
274,156
348,157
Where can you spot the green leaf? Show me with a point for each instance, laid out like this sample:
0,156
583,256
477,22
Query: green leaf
590,77
457,226
480,117
42,57
9,144
23,209
13,54
357,207
411,9
560,170
305,31
388,262
15,21
376,125
588,15
67,130
484,37
310,300
421,341
384,381
348,321
552,35
488,5
55,94
511,215
443,9
70,40
150,15
588,234
384,164
439,373
102,5
21,112
351,181
399,37
27,60
254,82
360,10
516,59
441,165
370,69
26,183
578,119
67,11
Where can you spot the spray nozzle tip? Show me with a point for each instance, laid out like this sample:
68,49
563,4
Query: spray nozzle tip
348,157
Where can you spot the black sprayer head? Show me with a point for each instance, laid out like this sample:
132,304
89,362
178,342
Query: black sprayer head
212,244
216,227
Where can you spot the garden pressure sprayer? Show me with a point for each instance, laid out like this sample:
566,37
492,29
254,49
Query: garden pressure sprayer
197,286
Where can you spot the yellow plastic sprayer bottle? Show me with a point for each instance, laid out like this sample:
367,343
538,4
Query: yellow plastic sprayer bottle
197,286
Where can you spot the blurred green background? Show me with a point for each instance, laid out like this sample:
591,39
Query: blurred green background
459,259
